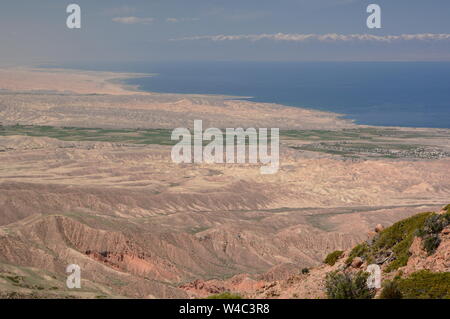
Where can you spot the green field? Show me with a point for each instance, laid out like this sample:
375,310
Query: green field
128,136
369,133
373,142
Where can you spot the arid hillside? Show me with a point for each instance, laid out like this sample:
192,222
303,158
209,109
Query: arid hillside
86,178
408,262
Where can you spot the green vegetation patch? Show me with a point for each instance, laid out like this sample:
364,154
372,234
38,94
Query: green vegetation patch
425,285
369,133
398,239
125,136
128,136
305,271
225,295
333,257
447,208
343,285
430,231
16,280
361,250
315,135
392,245
391,290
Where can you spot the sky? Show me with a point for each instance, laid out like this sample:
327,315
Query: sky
33,32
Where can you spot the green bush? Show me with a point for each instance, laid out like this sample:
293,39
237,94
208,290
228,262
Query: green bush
225,295
431,243
394,242
447,208
342,285
399,238
305,271
361,250
434,224
430,230
391,291
425,285
333,257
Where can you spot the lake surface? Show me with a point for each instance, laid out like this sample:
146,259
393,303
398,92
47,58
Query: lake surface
413,94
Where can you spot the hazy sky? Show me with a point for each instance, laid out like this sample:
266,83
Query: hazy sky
277,30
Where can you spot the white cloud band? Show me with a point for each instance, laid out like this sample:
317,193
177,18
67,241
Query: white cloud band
132,20
330,37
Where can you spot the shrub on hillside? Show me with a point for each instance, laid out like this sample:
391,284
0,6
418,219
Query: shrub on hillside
305,271
430,243
333,257
393,243
391,291
425,285
398,239
361,250
430,230
225,295
342,285
447,208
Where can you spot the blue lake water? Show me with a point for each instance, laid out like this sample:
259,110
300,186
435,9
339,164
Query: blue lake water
413,94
